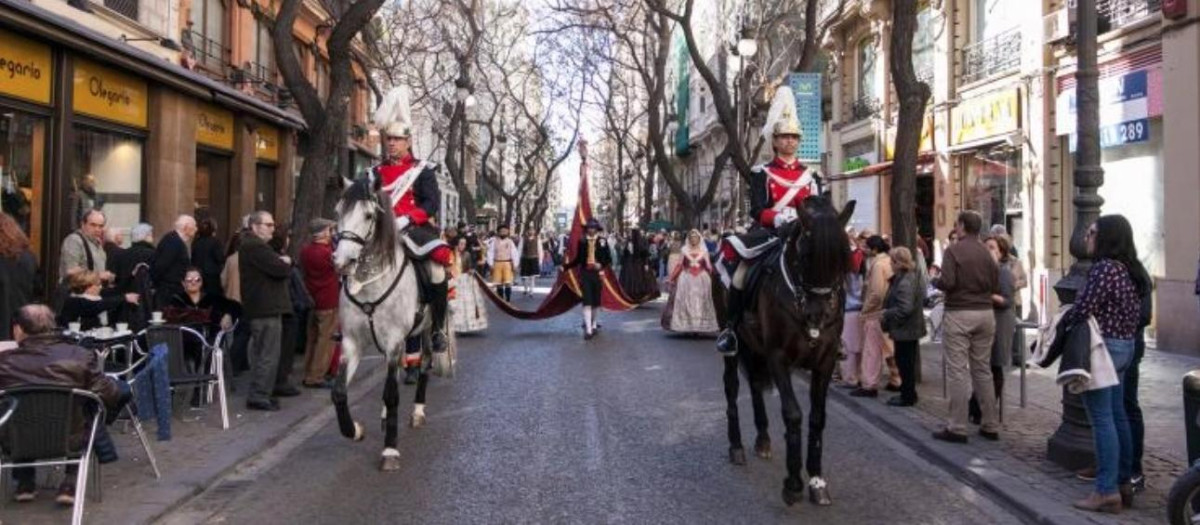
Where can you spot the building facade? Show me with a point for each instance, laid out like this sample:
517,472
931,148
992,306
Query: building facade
998,134
136,126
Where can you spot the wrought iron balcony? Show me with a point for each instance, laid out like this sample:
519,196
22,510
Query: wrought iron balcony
127,8
205,50
864,107
991,57
1119,13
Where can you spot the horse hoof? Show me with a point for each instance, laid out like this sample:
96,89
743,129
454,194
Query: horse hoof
792,497
819,496
358,431
762,449
737,456
416,421
389,463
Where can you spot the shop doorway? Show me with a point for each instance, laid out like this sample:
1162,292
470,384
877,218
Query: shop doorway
213,190
925,200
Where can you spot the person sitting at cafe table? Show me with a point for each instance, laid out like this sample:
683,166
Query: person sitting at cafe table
44,357
194,306
87,307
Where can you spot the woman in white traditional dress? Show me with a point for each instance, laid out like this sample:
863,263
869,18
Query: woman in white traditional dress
468,312
691,305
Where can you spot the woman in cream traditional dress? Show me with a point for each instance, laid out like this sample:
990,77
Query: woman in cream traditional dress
691,307
468,312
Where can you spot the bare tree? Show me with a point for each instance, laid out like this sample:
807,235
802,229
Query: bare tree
327,119
912,95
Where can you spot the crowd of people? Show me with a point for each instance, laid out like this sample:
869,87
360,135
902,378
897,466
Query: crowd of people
277,308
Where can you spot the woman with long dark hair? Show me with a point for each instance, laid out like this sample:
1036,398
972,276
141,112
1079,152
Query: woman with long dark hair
18,272
1111,296
209,256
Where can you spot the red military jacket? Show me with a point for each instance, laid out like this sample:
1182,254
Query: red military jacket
421,199
772,181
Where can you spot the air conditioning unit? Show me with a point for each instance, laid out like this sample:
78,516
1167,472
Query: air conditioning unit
1056,26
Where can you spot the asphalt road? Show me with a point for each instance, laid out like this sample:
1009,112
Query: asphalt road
540,426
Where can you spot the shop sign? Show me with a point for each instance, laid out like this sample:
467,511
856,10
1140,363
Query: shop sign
26,71
266,147
986,116
214,127
806,87
109,94
1125,107
1120,134
926,144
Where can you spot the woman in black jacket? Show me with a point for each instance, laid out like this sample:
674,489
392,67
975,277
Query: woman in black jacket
18,272
209,256
904,321
85,305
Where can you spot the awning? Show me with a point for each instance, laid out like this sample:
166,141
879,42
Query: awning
87,41
881,168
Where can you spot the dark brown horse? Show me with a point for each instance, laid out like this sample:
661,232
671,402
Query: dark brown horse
794,322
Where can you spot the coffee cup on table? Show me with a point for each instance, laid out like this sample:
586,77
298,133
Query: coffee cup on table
156,317
74,327
122,327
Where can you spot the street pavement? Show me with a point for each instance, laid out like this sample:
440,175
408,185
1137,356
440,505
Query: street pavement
539,426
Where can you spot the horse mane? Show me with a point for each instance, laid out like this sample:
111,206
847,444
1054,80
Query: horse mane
383,238
827,256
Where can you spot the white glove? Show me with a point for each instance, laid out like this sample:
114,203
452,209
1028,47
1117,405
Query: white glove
785,216
402,222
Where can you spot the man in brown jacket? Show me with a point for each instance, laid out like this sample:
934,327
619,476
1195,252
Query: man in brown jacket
969,278
44,358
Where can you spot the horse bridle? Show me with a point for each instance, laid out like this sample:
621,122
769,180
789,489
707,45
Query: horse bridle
368,307
801,293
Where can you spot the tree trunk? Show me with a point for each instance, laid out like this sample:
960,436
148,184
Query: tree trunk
647,212
912,95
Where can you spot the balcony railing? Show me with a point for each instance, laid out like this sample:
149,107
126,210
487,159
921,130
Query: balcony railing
1123,12
127,8
205,50
991,57
864,107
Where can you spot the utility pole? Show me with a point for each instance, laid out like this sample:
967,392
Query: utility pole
1071,445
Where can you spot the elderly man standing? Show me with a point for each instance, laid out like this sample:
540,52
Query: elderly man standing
83,249
970,277
321,280
44,358
172,258
265,300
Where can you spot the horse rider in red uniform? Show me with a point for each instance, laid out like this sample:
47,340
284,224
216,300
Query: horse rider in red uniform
412,185
777,189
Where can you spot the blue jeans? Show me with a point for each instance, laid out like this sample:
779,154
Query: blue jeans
1110,425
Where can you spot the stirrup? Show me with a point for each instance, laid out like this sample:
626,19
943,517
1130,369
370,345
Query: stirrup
727,343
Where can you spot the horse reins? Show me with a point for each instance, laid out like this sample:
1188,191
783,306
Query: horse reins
801,293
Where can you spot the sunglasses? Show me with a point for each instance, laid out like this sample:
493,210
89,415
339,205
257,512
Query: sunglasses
192,280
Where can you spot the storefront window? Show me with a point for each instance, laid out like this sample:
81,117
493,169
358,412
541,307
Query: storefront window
23,171
107,176
993,186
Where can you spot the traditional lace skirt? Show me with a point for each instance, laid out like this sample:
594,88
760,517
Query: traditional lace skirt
468,312
691,308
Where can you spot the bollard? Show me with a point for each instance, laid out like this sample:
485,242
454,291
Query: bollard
1191,413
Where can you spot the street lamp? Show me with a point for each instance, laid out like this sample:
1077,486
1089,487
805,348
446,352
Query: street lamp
1071,445
748,45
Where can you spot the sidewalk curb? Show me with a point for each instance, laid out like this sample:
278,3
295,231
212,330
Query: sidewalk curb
965,464
252,456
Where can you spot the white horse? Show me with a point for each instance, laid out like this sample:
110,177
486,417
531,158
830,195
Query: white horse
379,307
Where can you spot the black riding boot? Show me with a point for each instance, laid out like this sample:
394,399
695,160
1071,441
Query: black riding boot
727,343
438,305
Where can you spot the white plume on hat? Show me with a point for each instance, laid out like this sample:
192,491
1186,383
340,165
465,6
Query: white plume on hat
393,116
782,118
